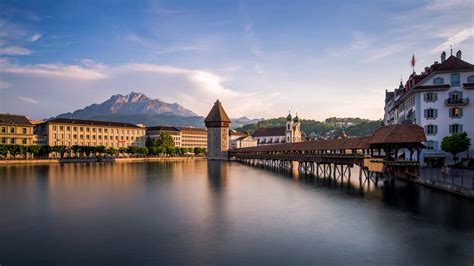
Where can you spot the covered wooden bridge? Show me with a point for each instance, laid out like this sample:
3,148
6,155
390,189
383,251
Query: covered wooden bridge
391,151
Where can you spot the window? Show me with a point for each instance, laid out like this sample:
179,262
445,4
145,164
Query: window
4,130
438,81
61,128
431,129
74,129
12,141
23,130
4,140
455,80
12,130
470,79
105,130
100,130
54,128
68,128
54,135
430,97
455,96
455,128
431,113
93,130
431,145
455,112
23,141
88,129
81,129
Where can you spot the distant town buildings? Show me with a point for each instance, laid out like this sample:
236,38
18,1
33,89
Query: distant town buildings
291,132
438,100
69,132
15,129
241,140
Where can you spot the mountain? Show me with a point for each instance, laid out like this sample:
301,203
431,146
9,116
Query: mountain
137,108
131,104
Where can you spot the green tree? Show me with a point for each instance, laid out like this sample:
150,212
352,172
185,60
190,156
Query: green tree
61,150
76,149
456,143
45,150
111,151
14,150
165,140
3,150
100,149
34,149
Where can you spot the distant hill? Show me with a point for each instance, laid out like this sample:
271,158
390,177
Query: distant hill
137,108
331,127
131,104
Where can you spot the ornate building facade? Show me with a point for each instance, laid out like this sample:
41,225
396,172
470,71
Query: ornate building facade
291,132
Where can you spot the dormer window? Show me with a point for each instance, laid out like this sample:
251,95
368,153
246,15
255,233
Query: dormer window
438,81
455,80
470,79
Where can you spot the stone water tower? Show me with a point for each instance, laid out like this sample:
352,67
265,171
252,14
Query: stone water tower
217,123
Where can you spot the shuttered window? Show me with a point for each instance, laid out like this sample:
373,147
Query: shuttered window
455,128
431,129
431,113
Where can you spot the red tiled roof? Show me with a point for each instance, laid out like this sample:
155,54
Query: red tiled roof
453,63
269,132
10,119
396,134
90,122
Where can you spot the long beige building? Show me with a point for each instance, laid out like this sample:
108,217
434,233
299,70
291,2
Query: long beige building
69,132
183,137
15,129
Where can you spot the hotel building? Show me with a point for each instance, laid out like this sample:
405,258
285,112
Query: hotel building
15,129
183,137
437,100
69,132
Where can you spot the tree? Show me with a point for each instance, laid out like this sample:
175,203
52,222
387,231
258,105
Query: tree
456,143
165,140
45,150
61,150
3,150
111,151
75,149
100,149
14,150
34,149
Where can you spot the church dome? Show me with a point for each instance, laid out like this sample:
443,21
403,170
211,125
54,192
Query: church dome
289,117
296,119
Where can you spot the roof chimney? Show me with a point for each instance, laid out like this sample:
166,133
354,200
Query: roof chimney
443,56
458,54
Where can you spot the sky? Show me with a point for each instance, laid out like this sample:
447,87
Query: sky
259,58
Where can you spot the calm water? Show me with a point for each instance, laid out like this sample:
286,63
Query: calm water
199,213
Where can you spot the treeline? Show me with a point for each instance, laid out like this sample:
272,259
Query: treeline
331,127
36,151
165,145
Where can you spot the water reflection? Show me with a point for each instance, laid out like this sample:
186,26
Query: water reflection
199,212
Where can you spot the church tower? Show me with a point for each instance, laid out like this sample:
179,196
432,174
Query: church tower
289,128
217,123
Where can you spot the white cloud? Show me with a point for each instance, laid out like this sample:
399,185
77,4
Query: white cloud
4,85
55,71
14,50
28,100
455,39
36,37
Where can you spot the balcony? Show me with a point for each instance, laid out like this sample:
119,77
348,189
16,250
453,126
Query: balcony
456,102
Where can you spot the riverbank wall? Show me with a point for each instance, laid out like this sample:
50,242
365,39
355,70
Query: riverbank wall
96,160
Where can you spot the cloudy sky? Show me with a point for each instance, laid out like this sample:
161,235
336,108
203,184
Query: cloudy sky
319,58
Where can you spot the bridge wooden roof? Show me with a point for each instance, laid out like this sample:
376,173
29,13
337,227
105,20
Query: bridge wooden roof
393,134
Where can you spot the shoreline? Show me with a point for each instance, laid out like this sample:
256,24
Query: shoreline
95,160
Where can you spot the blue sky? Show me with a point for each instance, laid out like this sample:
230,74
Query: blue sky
319,58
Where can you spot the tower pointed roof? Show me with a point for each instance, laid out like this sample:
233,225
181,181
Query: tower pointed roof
217,114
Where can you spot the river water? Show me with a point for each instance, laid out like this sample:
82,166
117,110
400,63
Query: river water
207,213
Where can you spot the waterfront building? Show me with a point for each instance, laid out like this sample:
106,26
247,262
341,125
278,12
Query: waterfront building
15,129
153,133
69,132
437,99
183,137
290,133
217,123
240,140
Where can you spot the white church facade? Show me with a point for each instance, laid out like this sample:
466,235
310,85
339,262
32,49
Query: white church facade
290,133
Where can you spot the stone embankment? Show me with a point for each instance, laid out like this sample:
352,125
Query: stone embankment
102,160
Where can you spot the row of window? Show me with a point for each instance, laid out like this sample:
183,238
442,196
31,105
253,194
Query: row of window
453,128
12,141
12,130
99,137
454,96
94,144
455,80
99,130
432,113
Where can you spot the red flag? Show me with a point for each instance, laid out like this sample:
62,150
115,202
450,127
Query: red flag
413,61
